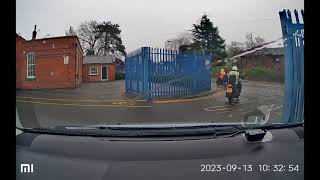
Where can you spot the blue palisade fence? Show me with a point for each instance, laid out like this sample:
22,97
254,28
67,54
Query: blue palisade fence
293,35
162,73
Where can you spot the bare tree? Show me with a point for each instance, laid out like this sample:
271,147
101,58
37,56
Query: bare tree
253,41
235,48
182,39
99,38
71,32
89,37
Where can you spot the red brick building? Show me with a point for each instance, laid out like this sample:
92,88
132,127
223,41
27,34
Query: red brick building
98,68
48,63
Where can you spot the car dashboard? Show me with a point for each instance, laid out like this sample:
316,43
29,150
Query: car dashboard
189,157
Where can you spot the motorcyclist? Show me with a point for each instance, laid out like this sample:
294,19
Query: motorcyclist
220,79
234,71
222,74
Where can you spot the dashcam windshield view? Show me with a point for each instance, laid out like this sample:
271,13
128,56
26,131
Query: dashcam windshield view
148,68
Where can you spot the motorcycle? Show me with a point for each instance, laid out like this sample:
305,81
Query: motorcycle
220,82
232,92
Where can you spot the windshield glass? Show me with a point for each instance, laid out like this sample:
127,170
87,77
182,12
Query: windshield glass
150,62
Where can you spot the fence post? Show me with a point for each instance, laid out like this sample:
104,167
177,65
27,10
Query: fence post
126,79
194,68
145,82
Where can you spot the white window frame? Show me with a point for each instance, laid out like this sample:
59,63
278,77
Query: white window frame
31,61
93,74
65,59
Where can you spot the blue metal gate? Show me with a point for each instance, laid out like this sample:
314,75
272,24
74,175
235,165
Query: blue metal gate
293,34
161,73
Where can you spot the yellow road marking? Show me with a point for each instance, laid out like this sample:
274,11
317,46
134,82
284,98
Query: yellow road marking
25,97
136,106
178,100
83,105
124,103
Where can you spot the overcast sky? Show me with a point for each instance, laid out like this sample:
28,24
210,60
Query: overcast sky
153,22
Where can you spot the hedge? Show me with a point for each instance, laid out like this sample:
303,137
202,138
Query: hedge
263,74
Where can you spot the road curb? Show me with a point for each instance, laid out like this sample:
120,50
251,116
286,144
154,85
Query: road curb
200,95
184,99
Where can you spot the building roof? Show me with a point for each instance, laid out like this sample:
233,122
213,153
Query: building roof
260,51
51,38
270,51
48,38
267,51
18,36
94,59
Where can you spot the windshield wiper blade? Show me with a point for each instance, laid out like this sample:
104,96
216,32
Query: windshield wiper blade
61,131
217,130
210,129
165,126
281,125
194,129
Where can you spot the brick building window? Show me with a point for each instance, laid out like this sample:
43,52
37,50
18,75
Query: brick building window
31,65
65,59
93,71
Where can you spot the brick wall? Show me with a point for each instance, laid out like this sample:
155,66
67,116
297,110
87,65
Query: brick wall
19,56
51,72
91,78
94,78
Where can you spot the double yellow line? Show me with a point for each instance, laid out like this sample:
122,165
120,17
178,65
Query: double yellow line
66,102
109,103
27,97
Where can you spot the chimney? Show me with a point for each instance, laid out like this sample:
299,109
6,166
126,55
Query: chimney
34,33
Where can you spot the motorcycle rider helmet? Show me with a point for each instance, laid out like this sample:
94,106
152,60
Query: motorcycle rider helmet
234,68
222,70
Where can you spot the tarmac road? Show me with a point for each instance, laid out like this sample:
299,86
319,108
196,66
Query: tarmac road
46,109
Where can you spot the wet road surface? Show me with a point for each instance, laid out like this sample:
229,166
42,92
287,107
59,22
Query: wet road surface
58,110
